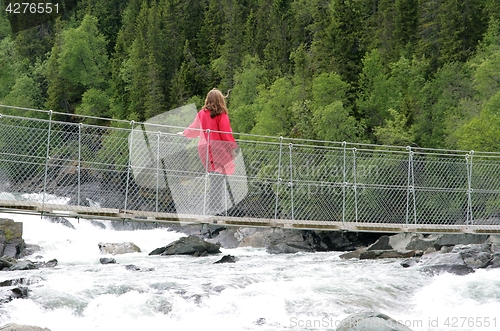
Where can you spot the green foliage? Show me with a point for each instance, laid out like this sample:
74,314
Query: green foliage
395,131
273,118
404,71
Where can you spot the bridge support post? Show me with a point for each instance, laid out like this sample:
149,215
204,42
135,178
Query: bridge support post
468,162
278,180
47,158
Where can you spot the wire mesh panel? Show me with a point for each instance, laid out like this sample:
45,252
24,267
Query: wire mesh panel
485,189
382,186
23,151
315,182
441,185
263,180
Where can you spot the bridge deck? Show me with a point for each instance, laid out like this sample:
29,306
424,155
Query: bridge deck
71,211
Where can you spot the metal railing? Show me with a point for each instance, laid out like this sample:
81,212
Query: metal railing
69,162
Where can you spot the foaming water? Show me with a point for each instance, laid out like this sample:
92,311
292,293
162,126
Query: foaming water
259,292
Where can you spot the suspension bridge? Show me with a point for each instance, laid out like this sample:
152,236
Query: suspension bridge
55,164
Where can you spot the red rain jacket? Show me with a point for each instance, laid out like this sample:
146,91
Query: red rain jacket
220,140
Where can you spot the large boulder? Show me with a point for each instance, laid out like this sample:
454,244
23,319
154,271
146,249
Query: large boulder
118,248
438,262
293,241
191,245
459,239
370,321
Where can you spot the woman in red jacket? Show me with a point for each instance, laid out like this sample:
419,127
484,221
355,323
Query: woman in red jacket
216,146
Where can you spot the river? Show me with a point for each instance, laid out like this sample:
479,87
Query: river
305,291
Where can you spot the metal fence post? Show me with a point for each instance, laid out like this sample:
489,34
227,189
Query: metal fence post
207,173
290,183
47,158
468,161
344,180
129,165
157,170
79,166
278,180
410,188
355,184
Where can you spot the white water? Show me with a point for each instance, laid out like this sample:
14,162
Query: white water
258,292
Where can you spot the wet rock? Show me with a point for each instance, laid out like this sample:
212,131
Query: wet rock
8,294
290,241
495,261
226,259
191,245
459,239
59,220
14,248
381,244
386,254
107,260
474,256
132,267
118,248
23,265
252,237
7,262
354,254
49,264
438,262
421,243
370,321
18,327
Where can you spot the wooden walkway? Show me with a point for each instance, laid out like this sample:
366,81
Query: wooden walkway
70,211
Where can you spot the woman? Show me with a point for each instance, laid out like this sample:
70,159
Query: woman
216,147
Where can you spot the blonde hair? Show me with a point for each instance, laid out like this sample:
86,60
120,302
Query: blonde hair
215,102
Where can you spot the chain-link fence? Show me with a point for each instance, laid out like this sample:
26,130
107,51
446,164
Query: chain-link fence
100,165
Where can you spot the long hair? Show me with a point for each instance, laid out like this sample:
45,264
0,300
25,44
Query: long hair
215,102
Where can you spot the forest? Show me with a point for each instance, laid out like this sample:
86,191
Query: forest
421,73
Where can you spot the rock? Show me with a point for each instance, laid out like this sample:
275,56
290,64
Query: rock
191,245
354,254
401,240
252,237
289,241
49,264
106,260
8,294
459,239
370,321
14,248
227,259
7,262
421,243
21,281
118,248
59,220
474,256
10,229
132,267
437,262
409,262
23,265
381,244
495,261
386,254
18,327
227,238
